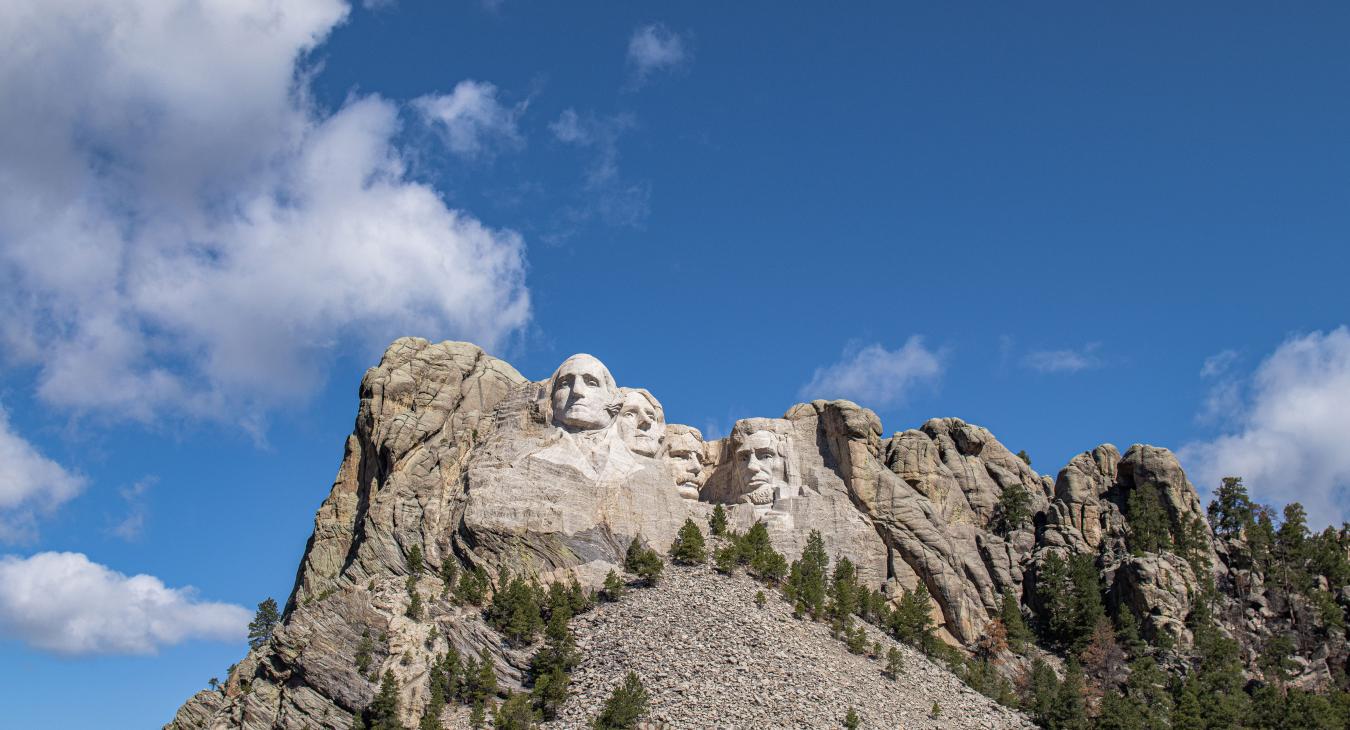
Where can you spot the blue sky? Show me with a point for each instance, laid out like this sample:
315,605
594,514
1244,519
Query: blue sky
1069,224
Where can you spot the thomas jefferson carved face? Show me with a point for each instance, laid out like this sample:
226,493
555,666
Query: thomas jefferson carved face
642,423
583,391
685,452
761,470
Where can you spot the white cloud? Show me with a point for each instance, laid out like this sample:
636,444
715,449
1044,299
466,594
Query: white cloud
64,603
471,120
30,484
616,200
1288,437
184,232
1218,363
1064,361
653,48
874,376
129,528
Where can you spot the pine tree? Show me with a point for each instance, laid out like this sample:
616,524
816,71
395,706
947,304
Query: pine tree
382,713
449,573
414,611
415,559
1187,713
364,648
1127,632
472,588
851,720
551,665
717,523
1148,693
1010,612
843,589
625,707
1219,678
1103,659
1068,711
263,624
1024,457
894,663
808,581
1149,523
614,587
688,548
1042,690
912,620
760,600
1013,511
514,610
515,713
1230,512
724,559
643,561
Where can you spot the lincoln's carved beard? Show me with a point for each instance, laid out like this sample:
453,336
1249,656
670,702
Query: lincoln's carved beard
761,496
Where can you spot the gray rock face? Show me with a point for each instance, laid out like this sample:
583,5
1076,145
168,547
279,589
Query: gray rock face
457,454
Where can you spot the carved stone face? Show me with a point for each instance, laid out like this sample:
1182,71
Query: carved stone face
583,391
642,425
761,470
685,452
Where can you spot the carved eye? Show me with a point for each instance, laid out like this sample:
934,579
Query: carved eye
591,380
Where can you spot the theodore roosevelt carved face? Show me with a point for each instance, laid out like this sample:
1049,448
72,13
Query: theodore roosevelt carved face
583,394
641,423
684,450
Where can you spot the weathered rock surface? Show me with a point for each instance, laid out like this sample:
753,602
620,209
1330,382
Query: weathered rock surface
458,455
710,659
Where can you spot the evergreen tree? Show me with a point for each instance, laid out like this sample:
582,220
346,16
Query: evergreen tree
1041,692
1010,612
894,663
515,713
851,720
614,587
1117,712
1230,512
808,576
382,713
1187,714
263,624
843,589
551,665
912,620
855,637
1127,632
725,559
415,559
1068,711
1013,511
1148,694
688,548
449,573
625,707
760,599
477,715
414,611
1103,659
472,588
1149,523
1219,679
643,561
717,523
514,611
1024,457
1290,544
364,648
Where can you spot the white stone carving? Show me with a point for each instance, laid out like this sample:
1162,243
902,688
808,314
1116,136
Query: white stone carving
763,464
684,452
641,422
582,394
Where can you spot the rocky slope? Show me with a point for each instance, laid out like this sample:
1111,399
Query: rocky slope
710,659
457,455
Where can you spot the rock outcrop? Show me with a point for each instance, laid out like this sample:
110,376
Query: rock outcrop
458,457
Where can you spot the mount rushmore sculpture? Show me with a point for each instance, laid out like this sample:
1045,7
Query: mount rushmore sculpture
459,458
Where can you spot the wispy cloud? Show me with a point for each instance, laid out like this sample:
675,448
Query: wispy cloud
66,604
146,274
471,120
130,527
1217,364
874,376
1064,361
654,48
607,194
1287,438
31,485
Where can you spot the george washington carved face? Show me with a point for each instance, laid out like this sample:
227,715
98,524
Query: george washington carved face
583,393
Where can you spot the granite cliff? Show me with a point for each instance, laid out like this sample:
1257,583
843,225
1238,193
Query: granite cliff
459,459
